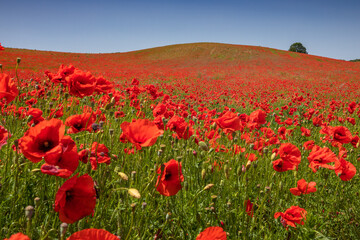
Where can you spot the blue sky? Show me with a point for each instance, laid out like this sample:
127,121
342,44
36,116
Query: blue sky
326,28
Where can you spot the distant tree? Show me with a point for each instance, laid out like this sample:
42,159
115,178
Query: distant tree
298,47
355,60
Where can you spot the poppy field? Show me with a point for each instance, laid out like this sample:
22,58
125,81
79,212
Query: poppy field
191,141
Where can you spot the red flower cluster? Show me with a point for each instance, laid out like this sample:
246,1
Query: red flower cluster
290,158
46,140
303,188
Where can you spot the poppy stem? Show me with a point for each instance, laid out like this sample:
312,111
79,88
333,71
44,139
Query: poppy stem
131,225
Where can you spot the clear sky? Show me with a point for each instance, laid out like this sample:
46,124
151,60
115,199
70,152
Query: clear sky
326,28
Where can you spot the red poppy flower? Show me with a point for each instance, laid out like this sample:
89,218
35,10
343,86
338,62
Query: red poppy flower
344,169
303,188
55,170
41,139
4,136
99,154
80,122
8,89
18,236
36,115
212,233
103,85
170,178
320,157
81,83
180,126
64,155
1,47
230,122
257,118
75,199
290,158
62,73
308,145
140,132
292,215
249,208
305,132
341,134
92,234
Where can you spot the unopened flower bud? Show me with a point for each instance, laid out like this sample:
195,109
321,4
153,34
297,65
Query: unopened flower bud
168,215
203,174
209,186
18,60
63,229
36,201
248,164
203,146
29,211
111,131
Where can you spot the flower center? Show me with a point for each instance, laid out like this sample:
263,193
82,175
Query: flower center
167,176
46,146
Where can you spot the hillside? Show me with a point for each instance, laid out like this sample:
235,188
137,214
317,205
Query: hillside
205,68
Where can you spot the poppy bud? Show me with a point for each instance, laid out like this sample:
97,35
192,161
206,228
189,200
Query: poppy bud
112,101
123,176
159,153
108,106
1,67
248,164
36,201
203,173
133,205
133,173
111,131
63,229
95,127
194,153
134,193
273,156
29,211
143,205
226,170
209,186
213,198
203,146
238,171
18,60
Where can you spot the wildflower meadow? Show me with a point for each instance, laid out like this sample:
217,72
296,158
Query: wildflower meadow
192,141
